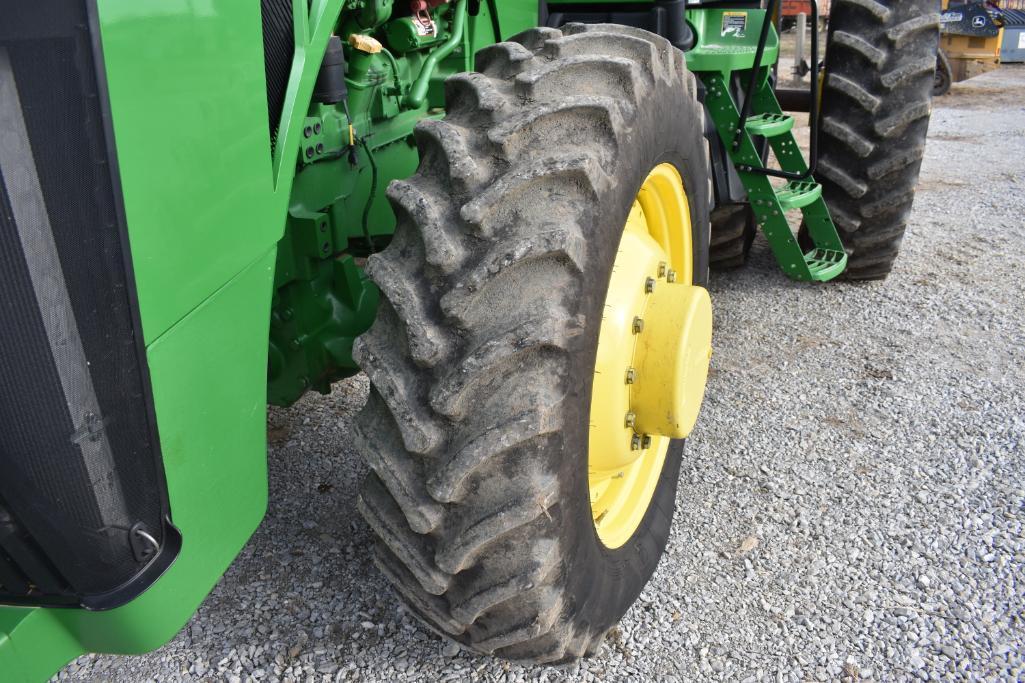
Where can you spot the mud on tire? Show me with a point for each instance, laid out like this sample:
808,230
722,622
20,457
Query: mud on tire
481,357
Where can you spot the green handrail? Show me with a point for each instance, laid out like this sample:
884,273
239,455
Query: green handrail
418,93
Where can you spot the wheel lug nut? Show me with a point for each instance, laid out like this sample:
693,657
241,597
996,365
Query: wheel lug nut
638,325
631,419
649,285
631,375
635,442
646,441
671,276
662,269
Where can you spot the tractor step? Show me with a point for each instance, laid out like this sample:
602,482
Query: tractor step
798,194
770,125
825,264
827,258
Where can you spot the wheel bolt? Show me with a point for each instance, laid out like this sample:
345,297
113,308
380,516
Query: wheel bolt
631,419
631,375
649,285
635,442
646,441
662,269
671,276
638,325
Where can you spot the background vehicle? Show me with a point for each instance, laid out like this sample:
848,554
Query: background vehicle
970,44
791,8
526,298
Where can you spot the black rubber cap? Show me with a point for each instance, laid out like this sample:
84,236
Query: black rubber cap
330,87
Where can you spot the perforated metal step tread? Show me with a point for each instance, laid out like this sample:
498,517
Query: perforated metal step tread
825,264
798,194
769,125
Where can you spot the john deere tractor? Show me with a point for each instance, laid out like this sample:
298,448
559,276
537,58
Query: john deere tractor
504,213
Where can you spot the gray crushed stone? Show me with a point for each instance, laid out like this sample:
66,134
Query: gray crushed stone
851,505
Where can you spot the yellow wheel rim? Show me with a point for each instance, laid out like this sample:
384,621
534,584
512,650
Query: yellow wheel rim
652,360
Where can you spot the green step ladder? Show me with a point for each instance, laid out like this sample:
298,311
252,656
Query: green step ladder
715,63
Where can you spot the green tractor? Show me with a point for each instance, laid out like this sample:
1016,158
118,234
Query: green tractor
504,212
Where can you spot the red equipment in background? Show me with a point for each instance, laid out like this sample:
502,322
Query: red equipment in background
791,8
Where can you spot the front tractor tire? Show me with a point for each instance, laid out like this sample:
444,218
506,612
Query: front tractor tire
497,517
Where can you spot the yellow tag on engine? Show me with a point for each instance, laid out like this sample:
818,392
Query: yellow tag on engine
367,44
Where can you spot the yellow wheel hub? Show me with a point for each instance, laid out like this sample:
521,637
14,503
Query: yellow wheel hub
652,361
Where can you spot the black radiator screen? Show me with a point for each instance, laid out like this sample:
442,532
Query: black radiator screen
278,50
83,504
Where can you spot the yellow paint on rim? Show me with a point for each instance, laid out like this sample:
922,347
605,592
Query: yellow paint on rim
652,360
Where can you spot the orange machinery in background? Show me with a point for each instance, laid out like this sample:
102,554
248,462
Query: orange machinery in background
791,8
972,33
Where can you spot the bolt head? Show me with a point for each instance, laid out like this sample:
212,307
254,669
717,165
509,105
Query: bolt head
649,285
671,276
631,375
646,441
662,269
638,325
631,419
635,442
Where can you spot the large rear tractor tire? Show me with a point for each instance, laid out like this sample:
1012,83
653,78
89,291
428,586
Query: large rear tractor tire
733,233
876,104
546,264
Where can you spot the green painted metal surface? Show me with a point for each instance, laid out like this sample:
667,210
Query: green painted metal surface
189,107
337,207
727,40
769,125
770,203
798,194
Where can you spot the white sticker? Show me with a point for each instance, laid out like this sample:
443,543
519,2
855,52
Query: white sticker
1021,40
948,17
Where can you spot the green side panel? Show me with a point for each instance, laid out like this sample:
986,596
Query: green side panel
516,16
25,634
208,375
727,40
481,30
189,105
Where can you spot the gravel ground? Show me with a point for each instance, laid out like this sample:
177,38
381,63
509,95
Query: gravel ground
852,502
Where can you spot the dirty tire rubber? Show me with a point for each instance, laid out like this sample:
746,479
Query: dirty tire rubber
482,355
943,77
876,104
733,232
